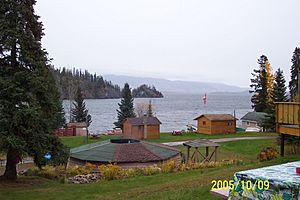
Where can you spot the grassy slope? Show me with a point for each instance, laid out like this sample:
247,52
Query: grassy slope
181,185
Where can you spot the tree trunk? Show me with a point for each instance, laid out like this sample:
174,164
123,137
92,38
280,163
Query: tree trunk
11,166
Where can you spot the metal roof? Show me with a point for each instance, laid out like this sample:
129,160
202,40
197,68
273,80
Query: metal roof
258,117
136,151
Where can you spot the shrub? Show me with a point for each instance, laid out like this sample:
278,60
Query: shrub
112,172
151,170
268,153
168,166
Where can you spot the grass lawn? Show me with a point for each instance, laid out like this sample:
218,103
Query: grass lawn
81,140
194,184
168,137
181,185
164,137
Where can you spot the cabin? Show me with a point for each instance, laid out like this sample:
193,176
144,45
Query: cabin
140,128
287,121
216,124
254,120
72,129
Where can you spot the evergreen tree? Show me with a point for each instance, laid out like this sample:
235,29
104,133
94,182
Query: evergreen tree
279,87
30,108
278,95
293,84
79,112
262,86
126,108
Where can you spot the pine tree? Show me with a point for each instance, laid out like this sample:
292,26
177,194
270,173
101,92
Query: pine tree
79,112
279,87
262,86
126,108
278,95
293,84
30,108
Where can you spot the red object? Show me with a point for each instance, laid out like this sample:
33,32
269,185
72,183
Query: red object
204,99
298,170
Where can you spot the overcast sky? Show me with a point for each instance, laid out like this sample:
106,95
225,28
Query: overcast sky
215,40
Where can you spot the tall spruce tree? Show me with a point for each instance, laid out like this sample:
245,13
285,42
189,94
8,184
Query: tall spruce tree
79,112
293,84
30,108
279,88
126,108
262,86
278,95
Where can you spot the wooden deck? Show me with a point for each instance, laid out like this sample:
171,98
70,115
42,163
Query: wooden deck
287,120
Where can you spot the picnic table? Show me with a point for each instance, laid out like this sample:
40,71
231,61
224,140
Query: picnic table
282,179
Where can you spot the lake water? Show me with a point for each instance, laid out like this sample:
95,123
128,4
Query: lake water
175,111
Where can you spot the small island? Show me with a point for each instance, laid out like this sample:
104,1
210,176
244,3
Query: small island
146,91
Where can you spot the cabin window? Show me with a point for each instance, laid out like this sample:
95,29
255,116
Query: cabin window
248,123
229,123
204,123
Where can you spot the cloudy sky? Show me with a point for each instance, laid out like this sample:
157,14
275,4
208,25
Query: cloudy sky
214,41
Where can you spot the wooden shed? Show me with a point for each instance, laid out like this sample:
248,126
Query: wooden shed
141,128
216,123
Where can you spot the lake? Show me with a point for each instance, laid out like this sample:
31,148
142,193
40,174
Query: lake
175,111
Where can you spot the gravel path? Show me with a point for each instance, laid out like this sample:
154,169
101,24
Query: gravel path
224,140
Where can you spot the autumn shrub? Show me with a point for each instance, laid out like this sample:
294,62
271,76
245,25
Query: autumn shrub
168,166
268,153
112,172
151,170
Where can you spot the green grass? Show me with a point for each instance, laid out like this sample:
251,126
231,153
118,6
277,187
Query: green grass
181,185
194,184
164,137
168,137
81,140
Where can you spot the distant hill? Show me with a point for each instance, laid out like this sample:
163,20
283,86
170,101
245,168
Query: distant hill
94,86
165,85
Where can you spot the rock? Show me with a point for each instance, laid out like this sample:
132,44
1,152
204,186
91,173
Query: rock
83,179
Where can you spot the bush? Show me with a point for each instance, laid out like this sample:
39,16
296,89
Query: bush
168,166
112,172
268,153
151,170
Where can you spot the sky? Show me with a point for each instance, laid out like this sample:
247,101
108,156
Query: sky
192,40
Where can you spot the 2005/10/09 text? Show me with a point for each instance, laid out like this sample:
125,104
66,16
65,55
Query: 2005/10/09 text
245,185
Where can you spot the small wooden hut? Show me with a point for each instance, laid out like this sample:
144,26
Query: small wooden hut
140,128
216,123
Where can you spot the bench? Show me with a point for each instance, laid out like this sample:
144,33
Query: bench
223,194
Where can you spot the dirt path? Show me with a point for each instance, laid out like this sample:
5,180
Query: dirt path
224,140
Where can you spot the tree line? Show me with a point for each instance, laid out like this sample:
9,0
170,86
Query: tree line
94,86
268,87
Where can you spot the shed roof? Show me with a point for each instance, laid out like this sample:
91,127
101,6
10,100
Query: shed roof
135,151
217,117
139,121
201,143
258,117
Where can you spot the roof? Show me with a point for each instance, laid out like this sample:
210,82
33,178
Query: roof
77,124
124,152
217,117
258,117
139,121
201,143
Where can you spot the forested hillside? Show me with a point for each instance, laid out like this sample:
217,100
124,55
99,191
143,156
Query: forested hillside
94,86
